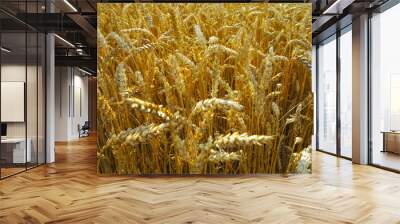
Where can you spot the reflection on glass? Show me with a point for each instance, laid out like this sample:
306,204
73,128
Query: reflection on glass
41,99
22,90
346,93
14,153
327,96
385,86
31,101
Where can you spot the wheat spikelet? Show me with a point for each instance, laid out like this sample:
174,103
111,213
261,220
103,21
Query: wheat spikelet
149,20
147,107
296,42
120,42
121,80
213,103
237,140
175,26
100,39
185,60
222,156
139,30
126,8
143,133
275,109
277,77
199,34
138,77
213,40
280,58
218,48
274,94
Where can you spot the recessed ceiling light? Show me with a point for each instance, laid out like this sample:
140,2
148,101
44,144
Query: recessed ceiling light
84,71
65,41
5,50
70,5
338,6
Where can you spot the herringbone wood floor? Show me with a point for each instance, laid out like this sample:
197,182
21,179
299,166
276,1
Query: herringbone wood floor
70,191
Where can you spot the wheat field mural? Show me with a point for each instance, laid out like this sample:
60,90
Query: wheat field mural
204,88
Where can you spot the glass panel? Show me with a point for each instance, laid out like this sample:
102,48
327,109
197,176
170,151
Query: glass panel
23,85
327,96
346,93
385,86
13,86
41,99
32,97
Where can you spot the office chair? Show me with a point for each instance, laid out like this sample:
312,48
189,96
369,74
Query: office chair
84,130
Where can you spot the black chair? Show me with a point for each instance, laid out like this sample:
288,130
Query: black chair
84,130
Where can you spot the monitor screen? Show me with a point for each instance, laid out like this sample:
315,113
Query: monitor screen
3,129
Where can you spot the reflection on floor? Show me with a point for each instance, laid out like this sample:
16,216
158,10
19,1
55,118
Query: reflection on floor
12,169
70,191
387,159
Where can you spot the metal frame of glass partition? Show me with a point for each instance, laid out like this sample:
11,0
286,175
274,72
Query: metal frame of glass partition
337,35
40,117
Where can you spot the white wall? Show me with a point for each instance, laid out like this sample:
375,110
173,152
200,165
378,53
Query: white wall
70,84
34,125
16,73
62,82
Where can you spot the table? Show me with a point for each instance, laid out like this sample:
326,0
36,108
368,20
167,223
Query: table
391,141
13,150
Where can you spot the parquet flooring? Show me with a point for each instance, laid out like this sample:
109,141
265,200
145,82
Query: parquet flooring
70,191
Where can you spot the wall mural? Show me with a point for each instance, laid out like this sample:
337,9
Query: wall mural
204,88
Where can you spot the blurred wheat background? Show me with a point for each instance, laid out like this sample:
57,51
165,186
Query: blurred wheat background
204,88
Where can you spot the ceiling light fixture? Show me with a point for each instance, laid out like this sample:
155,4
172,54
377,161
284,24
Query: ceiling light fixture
337,7
65,41
5,50
84,71
70,5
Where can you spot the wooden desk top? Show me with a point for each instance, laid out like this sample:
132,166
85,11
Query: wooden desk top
391,132
14,140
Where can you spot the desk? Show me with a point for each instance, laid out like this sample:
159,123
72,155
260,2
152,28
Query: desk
391,141
13,150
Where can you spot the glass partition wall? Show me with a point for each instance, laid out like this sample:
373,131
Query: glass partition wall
385,90
327,96
334,93
22,77
345,62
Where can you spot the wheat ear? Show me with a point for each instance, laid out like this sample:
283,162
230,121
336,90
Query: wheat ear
137,135
148,107
222,156
236,139
213,103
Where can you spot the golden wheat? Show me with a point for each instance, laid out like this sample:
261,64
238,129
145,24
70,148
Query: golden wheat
204,88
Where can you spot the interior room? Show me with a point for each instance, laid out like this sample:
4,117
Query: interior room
49,103
22,99
72,95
